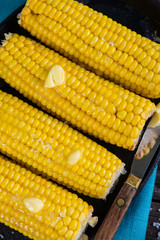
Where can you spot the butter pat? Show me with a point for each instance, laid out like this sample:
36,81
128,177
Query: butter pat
34,205
56,77
74,157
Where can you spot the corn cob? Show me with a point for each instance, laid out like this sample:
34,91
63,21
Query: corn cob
98,107
31,137
110,49
38,208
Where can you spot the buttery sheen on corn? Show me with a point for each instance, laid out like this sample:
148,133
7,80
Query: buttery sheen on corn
98,107
89,37
59,215
33,138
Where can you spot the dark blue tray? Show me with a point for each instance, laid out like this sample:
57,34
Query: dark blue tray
130,18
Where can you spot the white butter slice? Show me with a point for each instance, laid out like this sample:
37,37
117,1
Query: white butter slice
56,77
34,205
74,157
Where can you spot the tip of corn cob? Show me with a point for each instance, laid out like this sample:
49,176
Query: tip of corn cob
83,228
114,179
19,18
7,36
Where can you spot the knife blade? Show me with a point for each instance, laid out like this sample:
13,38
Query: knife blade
120,205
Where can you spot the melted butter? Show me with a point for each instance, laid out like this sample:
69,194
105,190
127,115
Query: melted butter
34,205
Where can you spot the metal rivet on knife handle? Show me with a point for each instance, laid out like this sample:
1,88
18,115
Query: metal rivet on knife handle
133,181
120,202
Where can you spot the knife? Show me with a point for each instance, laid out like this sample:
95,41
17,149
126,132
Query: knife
120,205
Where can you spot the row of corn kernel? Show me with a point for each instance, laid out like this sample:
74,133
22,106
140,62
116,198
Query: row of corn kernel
89,124
111,69
97,20
62,16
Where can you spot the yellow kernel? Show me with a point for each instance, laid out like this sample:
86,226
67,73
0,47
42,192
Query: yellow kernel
145,115
129,117
66,220
129,107
59,225
108,174
122,139
151,86
73,225
128,130
96,179
137,110
122,127
111,108
63,231
69,234
122,106
102,182
70,211
130,143
75,214
134,132
146,61
156,68
121,115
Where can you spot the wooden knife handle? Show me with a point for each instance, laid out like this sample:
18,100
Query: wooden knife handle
116,213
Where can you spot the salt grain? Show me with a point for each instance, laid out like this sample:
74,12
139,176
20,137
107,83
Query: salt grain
111,43
101,109
47,146
156,224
